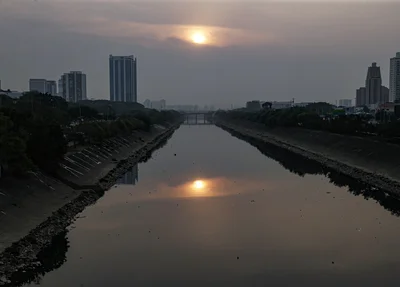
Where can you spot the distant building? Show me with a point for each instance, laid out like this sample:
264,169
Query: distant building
38,85
361,97
123,78
51,88
302,104
385,95
147,104
183,108
72,86
394,80
373,84
158,105
43,86
345,103
253,105
281,105
11,94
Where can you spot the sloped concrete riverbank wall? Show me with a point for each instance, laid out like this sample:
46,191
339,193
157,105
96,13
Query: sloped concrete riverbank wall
60,200
370,161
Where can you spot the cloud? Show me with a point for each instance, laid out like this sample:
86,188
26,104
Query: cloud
255,49
134,23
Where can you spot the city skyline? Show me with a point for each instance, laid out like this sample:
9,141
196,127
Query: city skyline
273,49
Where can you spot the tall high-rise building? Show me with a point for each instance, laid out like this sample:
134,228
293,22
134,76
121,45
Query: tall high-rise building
384,95
361,97
394,80
72,86
373,85
123,78
43,86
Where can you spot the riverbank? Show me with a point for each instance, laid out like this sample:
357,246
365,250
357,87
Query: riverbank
60,201
369,161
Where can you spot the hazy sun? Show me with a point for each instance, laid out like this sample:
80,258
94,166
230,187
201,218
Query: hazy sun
199,38
198,184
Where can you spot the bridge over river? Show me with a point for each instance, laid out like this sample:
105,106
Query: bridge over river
198,118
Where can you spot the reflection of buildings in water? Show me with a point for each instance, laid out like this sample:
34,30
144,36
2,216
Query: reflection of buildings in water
130,177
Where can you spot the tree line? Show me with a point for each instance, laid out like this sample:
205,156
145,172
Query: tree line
36,128
319,116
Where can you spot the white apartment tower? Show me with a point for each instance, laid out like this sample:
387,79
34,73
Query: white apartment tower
394,80
72,86
43,86
123,78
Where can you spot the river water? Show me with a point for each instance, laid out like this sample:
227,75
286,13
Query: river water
209,209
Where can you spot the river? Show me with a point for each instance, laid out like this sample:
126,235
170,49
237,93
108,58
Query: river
209,209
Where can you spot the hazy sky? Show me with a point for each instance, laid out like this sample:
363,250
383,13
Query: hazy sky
267,50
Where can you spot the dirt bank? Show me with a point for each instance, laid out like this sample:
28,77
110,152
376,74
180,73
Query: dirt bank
369,161
59,201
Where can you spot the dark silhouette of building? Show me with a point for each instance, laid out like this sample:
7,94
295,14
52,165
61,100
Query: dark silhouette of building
253,105
361,97
385,94
373,85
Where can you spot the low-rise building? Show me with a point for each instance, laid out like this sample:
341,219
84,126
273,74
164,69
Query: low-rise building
11,94
253,105
158,105
281,105
302,104
345,103
387,107
43,86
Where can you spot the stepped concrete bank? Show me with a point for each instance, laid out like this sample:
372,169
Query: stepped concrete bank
34,210
368,160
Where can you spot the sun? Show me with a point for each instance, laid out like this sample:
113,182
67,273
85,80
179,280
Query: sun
199,38
198,184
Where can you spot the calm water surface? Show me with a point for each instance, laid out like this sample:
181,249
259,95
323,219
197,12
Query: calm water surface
209,209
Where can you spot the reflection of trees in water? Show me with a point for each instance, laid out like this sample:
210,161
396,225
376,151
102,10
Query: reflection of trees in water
132,175
161,144
51,258
301,166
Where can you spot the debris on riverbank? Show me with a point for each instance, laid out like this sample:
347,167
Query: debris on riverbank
22,255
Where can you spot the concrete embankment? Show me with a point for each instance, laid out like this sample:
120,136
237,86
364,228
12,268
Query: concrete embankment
370,161
37,208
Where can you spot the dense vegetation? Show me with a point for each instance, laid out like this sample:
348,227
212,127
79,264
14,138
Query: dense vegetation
36,128
320,116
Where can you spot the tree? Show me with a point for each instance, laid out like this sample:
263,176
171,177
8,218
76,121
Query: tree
13,157
320,108
46,145
76,112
